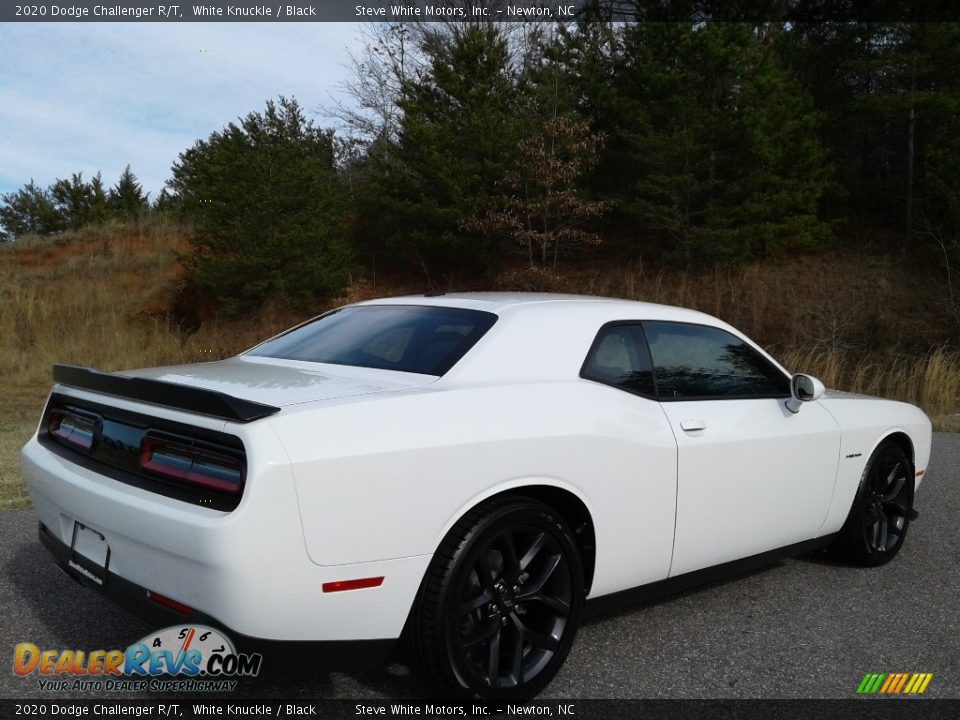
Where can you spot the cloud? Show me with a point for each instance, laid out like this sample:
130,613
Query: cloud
97,96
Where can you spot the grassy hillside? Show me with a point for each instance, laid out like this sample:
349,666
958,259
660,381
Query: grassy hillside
103,297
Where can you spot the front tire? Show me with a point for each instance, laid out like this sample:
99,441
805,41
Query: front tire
498,609
880,516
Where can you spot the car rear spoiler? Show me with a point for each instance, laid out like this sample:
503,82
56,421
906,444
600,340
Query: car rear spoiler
166,394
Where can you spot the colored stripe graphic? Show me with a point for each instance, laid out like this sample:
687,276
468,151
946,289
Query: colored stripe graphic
901,683
870,683
894,683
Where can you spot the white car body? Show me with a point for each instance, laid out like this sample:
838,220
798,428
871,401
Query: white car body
362,472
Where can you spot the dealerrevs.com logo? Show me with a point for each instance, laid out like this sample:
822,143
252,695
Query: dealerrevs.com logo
176,659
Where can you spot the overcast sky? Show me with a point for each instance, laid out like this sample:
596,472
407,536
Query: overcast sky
96,96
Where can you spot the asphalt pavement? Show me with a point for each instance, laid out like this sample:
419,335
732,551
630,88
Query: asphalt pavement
802,628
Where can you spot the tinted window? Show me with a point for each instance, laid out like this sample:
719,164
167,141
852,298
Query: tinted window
619,358
410,338
696,361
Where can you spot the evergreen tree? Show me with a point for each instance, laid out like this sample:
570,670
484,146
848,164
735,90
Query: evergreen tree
457,138
97,210
710,144
267,208
79,203
126,199
29,211
889,92
166,202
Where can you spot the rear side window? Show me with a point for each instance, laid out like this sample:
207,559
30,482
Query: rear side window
619,358
700,362
409,338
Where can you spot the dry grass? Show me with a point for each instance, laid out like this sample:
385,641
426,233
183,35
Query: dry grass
931,381
18,419
95,297
102,297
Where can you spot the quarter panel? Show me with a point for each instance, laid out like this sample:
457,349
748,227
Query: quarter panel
247,568
389,480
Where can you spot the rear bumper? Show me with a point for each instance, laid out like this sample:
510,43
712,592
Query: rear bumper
338,655
124,593
246,571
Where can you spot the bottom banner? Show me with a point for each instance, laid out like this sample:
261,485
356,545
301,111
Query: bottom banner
867,709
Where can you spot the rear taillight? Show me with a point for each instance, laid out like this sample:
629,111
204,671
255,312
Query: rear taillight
191,464
72,428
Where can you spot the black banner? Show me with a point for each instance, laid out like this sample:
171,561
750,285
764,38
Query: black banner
865,709
480,11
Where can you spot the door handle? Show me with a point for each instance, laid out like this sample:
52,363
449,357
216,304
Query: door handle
693,424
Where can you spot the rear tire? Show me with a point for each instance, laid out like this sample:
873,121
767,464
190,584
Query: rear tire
498,609
880,515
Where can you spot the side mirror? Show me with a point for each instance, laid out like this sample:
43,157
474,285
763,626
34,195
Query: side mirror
803,388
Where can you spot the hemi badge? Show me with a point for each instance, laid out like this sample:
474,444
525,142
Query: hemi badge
853,455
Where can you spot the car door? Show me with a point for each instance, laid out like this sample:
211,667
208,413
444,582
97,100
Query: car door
752,476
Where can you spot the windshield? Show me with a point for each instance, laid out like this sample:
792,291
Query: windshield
409,338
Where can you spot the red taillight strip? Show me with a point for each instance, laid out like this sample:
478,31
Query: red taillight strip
79,435
359,584
149,445
169,603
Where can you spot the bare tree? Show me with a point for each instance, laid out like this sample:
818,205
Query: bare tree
391,57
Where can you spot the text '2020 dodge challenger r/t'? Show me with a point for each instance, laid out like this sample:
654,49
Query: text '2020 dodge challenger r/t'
464,471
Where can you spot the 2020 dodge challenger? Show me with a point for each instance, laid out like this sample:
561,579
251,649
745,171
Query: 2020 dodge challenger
463,471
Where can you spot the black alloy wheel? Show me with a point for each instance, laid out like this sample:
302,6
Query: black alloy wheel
878,521
498,609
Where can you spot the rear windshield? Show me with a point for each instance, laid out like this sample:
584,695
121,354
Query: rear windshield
409,338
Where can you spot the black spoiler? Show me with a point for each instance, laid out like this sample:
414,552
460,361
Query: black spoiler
166,394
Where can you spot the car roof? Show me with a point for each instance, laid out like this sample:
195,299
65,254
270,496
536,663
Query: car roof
498,302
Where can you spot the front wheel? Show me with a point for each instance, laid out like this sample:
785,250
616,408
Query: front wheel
880,516
498,609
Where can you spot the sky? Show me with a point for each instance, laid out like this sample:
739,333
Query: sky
96,96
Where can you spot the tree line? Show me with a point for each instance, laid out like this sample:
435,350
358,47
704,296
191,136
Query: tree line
70,204
465,148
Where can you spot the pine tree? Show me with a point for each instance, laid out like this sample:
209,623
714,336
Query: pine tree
74,200
890,93
126,199
267,208
710,144
97,210
457,138
29,211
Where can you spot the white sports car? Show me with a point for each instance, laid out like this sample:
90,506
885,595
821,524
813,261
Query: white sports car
470,472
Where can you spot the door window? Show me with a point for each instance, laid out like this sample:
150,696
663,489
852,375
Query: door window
699,362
